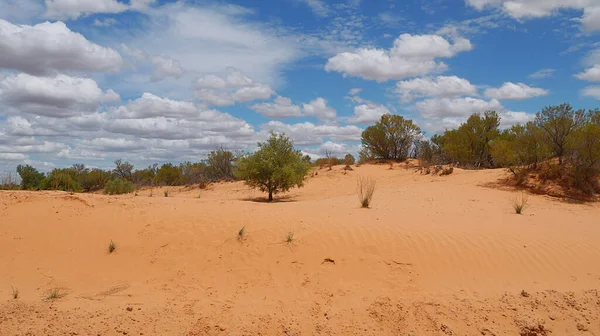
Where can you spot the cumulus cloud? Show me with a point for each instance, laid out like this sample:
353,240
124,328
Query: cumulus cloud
307,133
47,48
521,9
437,108
591,91
367,113
591,75
411,55
318,108
165,67
355,91
230,88
512,91
59,96
441,86
281,107
13,156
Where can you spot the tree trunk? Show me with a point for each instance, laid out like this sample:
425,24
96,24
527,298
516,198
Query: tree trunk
270,196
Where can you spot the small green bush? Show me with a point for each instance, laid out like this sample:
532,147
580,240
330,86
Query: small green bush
118,186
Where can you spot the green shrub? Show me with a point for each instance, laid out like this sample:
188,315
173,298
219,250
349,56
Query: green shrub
118,186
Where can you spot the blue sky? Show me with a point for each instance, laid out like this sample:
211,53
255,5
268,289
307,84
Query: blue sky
91,81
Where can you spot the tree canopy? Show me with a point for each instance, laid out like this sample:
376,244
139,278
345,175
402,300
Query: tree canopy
275,167
391,138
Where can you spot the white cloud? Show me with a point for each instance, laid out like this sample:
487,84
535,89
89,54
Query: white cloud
591,91
511,118
542,73
441,86
591,75
70,9
230,88
104,23
355,91
49,47
512,91
318,7
367,113
208,39
13,156
59,96
165,67
318,108
437,108
307,133
281,107
411,55
522,9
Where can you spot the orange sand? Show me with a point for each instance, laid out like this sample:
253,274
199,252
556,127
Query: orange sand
433,256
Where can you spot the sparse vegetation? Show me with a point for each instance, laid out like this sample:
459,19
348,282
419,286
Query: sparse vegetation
366,189
55,294
289,238
520,203
15,292
118,186
166,193
111,247
241,234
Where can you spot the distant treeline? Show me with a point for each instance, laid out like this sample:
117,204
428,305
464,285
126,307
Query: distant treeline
124,178
561,144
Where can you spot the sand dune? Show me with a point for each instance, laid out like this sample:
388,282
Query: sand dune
433,256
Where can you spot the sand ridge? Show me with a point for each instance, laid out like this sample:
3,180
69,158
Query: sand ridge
433,256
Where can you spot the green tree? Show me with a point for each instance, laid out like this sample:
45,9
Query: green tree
123,169
390,138
469,144
558,124
31,178
275,167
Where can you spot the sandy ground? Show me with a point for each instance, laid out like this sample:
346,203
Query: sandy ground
433,256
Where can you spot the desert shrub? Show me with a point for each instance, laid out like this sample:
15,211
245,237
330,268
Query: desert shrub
168,174
31,178
219,165
276,166
145,177
447,171
349,159
366,188
94,179
118,186
306,159
65,179
193,173
391,138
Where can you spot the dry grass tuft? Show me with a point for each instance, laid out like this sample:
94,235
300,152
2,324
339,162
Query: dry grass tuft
520,202
366,189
